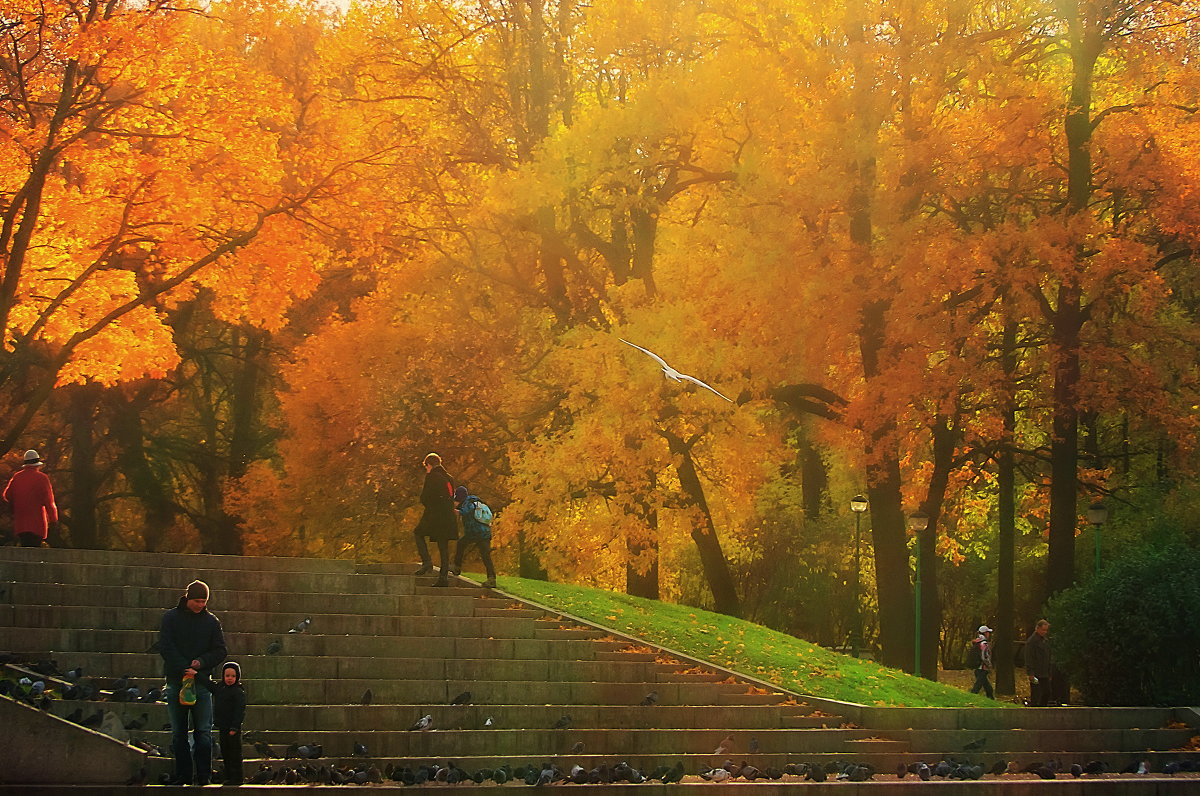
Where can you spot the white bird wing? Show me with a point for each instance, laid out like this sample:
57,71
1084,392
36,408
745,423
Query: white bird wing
648,353
695,380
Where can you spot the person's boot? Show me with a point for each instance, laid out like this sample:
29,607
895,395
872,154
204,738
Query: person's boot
490,583
442,581
425,569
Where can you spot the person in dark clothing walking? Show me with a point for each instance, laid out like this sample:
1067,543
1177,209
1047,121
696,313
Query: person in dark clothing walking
229,712
475,533
32,500
981,655
437,521
1037,665
191,644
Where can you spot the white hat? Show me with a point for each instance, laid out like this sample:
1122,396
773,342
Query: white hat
33,458
984,629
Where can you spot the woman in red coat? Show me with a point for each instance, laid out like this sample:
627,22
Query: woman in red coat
32,500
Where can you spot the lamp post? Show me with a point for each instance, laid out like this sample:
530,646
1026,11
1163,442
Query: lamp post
858,504
917,523
1097,515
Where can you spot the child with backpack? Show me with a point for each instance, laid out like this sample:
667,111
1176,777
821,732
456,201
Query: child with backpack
477,531
229,711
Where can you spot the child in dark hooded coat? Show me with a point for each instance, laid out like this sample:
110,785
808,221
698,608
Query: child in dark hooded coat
229,711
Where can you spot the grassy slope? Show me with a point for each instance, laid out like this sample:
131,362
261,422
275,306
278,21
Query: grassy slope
745,647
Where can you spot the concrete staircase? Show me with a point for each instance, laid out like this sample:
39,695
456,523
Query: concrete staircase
416,647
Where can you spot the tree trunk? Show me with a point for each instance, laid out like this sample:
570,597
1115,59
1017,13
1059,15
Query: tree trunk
643,581
1005,623
944,439
145,482
85,480
712,557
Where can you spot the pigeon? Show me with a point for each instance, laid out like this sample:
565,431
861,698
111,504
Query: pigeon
311,751
754,747
120,684
275,647
264,750
563,722
146,746
76,716
111,724
1095,768
37,689
1076,770
423,723
489,722
975,746
262,776
924,772
579,775
462,699
670,372
901,771
1045,772
153,649
360,750
138,723
302,625
998,768
717,775
74,674
93,720
576,749
139,778
725,746
153,695
649,699
366,698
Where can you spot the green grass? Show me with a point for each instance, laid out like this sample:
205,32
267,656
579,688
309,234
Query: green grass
745,647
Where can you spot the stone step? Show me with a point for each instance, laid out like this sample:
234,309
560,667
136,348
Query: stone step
147,668
266,580
536,743
290,603
279,623
1048,741
39,641
1124,786
349,691
59,555
301,718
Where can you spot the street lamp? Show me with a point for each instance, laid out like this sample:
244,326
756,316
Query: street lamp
1097,515
917,523
858,504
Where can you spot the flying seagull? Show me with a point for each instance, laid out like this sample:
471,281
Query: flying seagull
670,372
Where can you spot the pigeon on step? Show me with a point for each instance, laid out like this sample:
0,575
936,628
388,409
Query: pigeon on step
302,625
275,647
366,698
462,699
360,750
563,722
649,699
423,723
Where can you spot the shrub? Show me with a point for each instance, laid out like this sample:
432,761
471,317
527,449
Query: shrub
1132,635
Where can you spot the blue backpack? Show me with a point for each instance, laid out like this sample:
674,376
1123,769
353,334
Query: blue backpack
482,513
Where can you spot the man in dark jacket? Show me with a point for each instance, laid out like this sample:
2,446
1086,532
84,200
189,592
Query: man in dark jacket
438,522
1037,665
191,644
